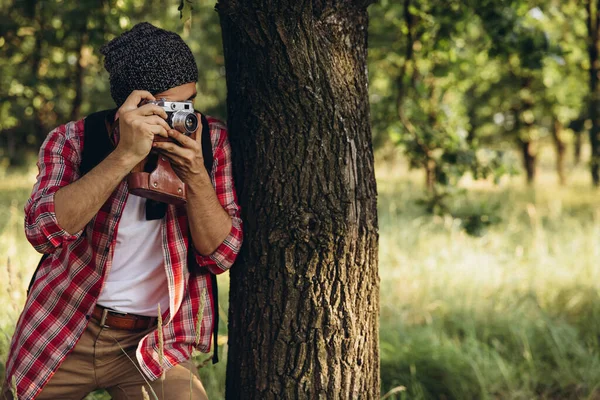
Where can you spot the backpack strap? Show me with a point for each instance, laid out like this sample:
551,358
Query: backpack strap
207,151
207,154
97,143
215,295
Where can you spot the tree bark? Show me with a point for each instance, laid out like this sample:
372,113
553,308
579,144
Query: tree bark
578,126
472,106
529,159
593,25
577,148
523,129
561,147
304,296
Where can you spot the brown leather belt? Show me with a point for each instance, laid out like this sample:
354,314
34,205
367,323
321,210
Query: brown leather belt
114,319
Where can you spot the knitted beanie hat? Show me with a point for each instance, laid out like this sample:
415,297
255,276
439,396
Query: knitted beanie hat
147,58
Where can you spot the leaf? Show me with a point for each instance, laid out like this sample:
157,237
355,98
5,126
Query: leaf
185,10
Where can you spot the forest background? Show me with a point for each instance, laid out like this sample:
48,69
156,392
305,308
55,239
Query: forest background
485,119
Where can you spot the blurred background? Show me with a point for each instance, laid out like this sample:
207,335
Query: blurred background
485,127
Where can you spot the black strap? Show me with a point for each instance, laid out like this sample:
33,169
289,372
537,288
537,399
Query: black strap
215,288
207,152
97,144
208,163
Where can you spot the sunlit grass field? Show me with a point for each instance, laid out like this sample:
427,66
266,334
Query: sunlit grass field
512,314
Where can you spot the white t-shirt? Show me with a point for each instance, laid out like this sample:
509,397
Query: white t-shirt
137,281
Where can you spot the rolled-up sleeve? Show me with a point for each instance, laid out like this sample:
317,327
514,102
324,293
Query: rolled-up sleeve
58,166
222,178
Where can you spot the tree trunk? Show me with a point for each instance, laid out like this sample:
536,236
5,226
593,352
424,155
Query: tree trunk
529,159
304,296
523,128
593,24
430,177
577,148
561,147
472,105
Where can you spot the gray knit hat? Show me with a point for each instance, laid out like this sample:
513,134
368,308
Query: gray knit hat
147,58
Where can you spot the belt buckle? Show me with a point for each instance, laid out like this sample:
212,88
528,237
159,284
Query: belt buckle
105,312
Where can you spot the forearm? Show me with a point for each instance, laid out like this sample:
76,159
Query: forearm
76,204
209,222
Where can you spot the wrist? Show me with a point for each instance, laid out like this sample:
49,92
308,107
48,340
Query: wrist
124,159
199,183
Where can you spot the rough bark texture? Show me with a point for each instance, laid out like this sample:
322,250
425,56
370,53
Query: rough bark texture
577,148
304,296
529,160
561,149
593,25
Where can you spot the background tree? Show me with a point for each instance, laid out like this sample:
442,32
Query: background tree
464,77
304,294
593,25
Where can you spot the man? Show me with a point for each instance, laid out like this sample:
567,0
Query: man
90,318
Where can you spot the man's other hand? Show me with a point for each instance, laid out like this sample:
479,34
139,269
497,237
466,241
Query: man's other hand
139,125
185,155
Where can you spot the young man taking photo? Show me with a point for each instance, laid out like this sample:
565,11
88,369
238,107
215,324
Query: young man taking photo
90,320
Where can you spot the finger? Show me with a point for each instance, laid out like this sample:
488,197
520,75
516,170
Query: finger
156,120
177,153
185,140
157,130
173,159
134,99
170,149
151,109
198,132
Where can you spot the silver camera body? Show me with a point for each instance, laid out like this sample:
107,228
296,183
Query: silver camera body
180,114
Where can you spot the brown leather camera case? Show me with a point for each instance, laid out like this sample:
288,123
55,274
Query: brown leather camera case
162,184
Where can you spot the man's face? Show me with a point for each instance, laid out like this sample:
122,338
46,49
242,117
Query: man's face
183,92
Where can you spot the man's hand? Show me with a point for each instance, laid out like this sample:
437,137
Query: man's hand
186,157
209,222
139,125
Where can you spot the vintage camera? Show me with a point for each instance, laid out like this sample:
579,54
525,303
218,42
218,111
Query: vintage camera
180,115
153,177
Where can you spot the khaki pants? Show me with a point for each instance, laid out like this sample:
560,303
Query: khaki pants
97,362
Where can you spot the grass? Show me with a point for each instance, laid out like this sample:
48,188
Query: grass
513,314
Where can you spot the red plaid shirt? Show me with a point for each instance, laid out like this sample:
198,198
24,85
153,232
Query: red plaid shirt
69,281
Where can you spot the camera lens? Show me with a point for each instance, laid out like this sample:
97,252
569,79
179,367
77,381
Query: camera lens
191,122
185,122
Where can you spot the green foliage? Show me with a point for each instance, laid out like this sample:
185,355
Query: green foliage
452,79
